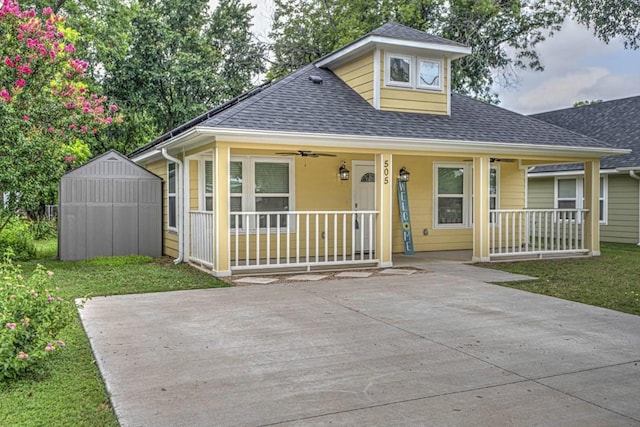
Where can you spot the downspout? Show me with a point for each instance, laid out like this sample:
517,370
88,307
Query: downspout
179,204
633,175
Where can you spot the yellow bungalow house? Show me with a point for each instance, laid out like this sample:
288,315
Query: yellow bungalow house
361,155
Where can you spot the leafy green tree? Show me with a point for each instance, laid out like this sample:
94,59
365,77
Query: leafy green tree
182,59
48,116
503,34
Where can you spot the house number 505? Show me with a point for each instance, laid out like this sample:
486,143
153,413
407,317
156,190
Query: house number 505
386,171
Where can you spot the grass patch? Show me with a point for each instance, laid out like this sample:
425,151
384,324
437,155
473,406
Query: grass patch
72,393
609,281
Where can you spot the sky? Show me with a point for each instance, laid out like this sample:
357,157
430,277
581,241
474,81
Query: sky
578,67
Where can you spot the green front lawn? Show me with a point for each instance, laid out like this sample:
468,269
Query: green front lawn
611,280
72,393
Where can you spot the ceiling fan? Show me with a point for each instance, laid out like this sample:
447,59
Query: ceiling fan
306,153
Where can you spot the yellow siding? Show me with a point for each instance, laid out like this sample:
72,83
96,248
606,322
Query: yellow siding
511,187
413,100
194,198
358,74
169,238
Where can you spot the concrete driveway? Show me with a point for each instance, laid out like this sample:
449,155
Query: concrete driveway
425,349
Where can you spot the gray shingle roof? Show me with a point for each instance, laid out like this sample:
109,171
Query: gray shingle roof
615,122
398,31
295,104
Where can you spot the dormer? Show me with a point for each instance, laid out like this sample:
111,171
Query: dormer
397,68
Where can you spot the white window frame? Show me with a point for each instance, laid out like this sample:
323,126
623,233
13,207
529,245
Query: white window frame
387,68
414,72
467,195
248,194
202,202
437,87
579,182
172,195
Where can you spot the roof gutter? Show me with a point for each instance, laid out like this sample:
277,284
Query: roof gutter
385,142
179,197
633,175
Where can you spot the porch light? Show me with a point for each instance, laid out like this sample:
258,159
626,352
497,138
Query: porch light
404,174
343,172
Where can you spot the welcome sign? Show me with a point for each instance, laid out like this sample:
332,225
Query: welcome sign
405,218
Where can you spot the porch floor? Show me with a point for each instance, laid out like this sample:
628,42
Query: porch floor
436,257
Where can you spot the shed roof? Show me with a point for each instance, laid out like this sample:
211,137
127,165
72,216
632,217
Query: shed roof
615,122
111,164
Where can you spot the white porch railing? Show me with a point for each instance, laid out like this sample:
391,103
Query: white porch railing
301,239
259,240
536,232
201,237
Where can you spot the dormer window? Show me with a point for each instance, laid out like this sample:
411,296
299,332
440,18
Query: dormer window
413,72
400,70
429,74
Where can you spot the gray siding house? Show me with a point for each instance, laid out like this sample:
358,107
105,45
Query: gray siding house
617,123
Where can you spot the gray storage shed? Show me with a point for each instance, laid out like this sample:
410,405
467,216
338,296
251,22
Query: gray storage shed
109,206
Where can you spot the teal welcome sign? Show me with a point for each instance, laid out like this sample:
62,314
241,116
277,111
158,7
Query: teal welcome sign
405,218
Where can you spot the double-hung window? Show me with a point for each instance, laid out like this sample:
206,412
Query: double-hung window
261,184
569,194
171,196
206,198
454,194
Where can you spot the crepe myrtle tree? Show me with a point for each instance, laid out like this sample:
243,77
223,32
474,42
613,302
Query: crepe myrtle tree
48,116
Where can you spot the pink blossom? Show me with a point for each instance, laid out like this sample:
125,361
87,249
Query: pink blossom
20,82
108,120
82,90
94,131
24,69
25,118
83,128
18,58
69,159
4,94
50,347
70,48
72,127
10,325
113,107
60,343
9,62
22,355
51,129
50,298
47,11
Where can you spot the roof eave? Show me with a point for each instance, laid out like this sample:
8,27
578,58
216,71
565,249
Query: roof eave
368,43
200,135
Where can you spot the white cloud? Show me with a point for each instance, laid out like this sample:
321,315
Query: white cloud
578,67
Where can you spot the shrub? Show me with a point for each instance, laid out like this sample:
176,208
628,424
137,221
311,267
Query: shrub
42,228
31,319
17,238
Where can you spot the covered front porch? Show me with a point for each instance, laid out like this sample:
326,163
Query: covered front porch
464,203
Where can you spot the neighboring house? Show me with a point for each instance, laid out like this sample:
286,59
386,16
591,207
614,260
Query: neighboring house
261,181
618,124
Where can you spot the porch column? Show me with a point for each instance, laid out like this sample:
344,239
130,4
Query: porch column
481,168
221,242
592,203
384,206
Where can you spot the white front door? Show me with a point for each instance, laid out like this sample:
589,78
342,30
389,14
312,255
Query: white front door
364,199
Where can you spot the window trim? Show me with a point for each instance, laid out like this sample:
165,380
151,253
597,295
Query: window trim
467,199
202,181
604,196
437,87
387,68
414,72
173,195
249,194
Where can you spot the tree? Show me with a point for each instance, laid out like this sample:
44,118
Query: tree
182,60
48,116
502,33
